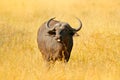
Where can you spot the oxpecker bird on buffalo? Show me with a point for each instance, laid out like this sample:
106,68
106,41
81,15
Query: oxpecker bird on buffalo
55,40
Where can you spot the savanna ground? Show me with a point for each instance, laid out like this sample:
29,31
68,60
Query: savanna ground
95,54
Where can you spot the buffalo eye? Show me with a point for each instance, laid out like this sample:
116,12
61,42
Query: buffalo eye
72,33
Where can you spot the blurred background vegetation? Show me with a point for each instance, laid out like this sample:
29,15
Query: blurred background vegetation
95,54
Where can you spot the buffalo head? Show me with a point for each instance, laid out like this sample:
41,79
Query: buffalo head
60,31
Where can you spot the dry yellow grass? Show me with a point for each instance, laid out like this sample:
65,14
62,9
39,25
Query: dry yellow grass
95,54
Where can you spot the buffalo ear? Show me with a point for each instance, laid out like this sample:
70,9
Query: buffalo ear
52,32
73,33
76,34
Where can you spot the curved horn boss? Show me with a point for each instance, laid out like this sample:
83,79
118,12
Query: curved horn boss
48,24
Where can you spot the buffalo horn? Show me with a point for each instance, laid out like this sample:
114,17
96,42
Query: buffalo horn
47,24
80,25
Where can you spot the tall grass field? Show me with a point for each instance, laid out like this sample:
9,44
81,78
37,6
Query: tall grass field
96,51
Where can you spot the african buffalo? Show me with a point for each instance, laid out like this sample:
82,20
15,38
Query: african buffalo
55,40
